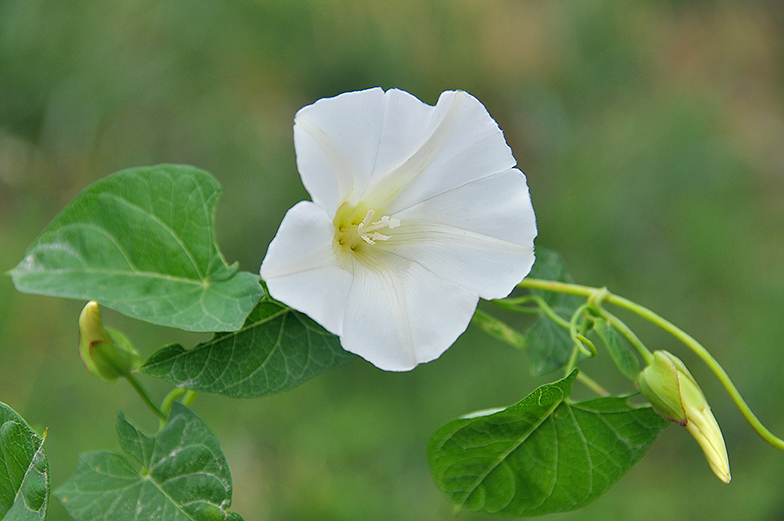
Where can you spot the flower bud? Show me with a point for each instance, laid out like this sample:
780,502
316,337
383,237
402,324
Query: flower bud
675,395
106,354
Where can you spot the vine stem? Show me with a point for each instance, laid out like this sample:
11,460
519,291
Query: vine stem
145,397
176,393
685,338
592,384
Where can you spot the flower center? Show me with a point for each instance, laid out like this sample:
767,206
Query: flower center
351,234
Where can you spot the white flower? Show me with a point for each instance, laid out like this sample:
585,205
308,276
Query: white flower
417,212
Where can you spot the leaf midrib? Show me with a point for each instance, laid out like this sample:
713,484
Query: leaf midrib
213,341
129,273
502,457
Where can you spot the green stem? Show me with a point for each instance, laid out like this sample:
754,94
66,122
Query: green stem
572,363
173,395
628,334
516,304
685,338
189,397
547,310
145,397
580,341
592,384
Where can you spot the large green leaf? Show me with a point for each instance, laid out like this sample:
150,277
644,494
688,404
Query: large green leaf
24,471
542,455
142,242
549,344
277,349
184,476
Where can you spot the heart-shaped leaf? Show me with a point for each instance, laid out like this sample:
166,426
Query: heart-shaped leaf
277,349
142,242
542,455
183,476
24,471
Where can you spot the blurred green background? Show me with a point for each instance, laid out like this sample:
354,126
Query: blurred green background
652,135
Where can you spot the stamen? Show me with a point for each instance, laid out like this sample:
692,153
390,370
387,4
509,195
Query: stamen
365,228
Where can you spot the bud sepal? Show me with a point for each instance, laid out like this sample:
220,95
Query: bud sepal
106,353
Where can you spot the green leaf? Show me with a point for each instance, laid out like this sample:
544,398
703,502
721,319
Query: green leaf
184,476
621,353
277,349
549,344
142,242
24,471
542,455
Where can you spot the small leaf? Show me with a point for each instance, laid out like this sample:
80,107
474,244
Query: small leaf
624,359
142,242
24,471
184,476
542,455
277,349
549,344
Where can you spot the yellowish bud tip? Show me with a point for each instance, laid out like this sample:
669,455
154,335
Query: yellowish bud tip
90,325
675,395
106,354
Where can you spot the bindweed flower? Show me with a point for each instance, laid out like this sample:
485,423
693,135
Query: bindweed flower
417,212
675,395
106,354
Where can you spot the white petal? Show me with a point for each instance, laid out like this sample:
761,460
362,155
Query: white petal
406,126
344,142
403,315
336,140
465,144
479,235
484,265
301,269
497,206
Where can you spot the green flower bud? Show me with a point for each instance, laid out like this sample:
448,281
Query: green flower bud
675,395
660,384
106,354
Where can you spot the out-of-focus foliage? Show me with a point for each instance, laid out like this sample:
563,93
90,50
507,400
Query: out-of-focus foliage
652,134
